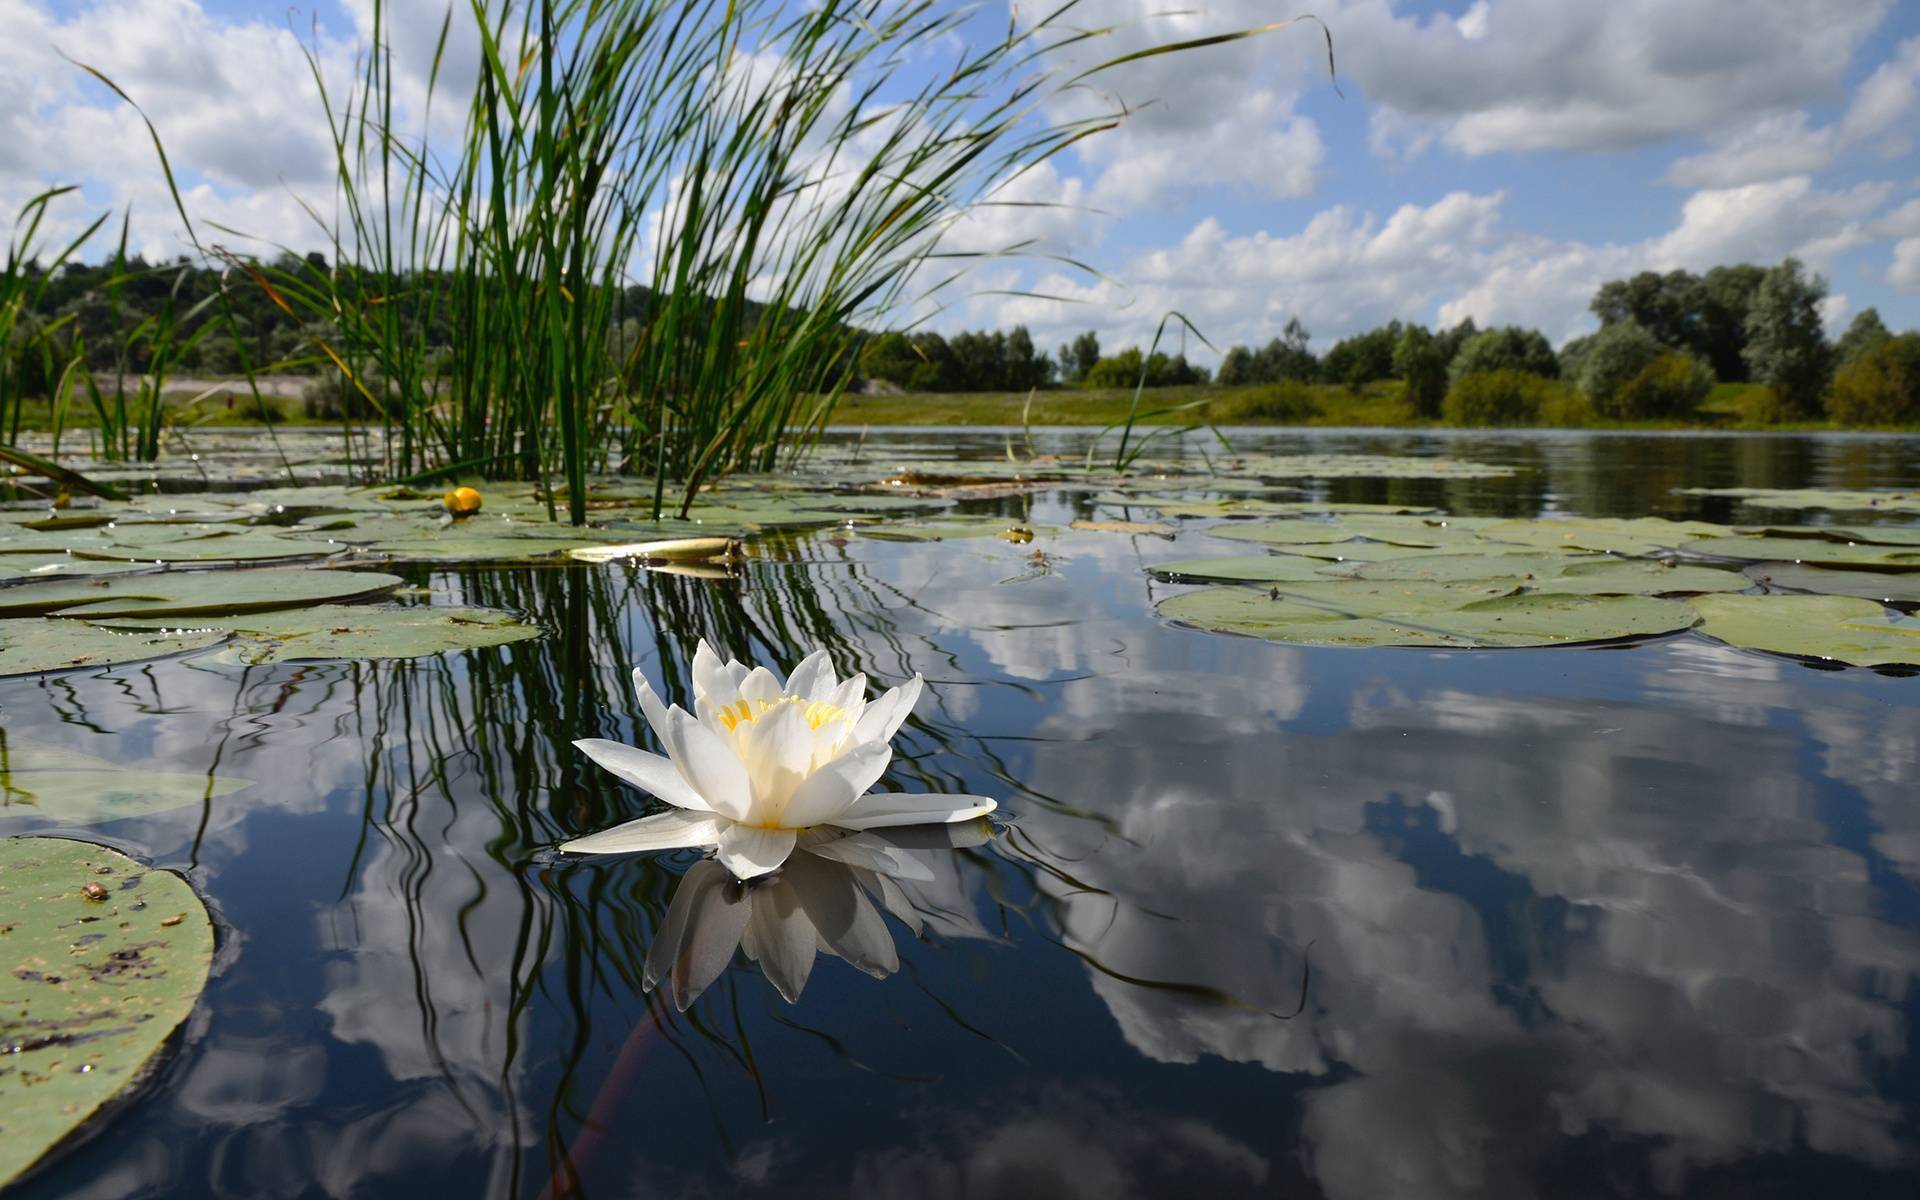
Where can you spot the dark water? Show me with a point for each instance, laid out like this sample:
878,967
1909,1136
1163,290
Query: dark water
1259,920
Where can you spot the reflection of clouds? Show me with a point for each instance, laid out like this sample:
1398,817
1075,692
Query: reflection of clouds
1061,1143
1532,918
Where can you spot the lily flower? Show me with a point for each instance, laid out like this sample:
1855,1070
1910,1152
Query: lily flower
759,761
821,902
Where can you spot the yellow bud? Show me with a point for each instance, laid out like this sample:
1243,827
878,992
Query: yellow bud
462,502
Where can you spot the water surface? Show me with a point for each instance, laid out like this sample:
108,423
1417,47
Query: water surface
1258,920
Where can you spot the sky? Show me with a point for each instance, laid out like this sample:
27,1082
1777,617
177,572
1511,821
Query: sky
1497,159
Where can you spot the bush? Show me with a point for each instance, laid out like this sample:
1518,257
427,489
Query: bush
1565,408
1504,397
1288,400
1508,348
1626,374
1881,386
1613,356
1672,385
331,398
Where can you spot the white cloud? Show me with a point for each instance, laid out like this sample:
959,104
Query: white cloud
1782,144
1904,274
1345,271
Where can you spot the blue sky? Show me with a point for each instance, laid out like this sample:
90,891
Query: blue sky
1497,158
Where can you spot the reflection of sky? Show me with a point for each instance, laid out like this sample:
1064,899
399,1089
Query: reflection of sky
1639,920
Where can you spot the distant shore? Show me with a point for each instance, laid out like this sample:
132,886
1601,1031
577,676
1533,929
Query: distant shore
210,403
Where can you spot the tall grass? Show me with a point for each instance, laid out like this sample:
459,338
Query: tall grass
773,176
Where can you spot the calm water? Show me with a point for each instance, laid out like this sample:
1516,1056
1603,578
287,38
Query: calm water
1258,921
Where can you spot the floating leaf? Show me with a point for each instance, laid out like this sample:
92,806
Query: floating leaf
703,549
1842,628
192,593
1246,568
90,990
33,645
1870,585
70,788
1612,535
1805,498
367,631
1150,528
1441,615
1361,466
1819,551
1567,574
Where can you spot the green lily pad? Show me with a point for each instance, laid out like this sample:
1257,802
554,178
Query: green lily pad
192,593
1818,551
70,788
1812,498
367,631
1437,615
1869,585
1363,466
34,645
1563,574
1841,628
90,990
61,565
1245,568
1610,535
1429,533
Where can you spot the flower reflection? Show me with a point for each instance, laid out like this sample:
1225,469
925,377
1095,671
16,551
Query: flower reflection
820,901
764,761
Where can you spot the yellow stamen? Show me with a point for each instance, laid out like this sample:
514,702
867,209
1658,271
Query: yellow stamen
818,712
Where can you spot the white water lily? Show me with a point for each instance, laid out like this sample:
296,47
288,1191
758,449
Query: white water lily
759,761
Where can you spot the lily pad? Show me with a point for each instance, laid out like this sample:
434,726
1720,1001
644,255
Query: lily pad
1818,551
367,631
1245,568
70,788
1158,529
1612,535
1810,498
34,645
1364,466
1869,585
1437,615
1841,628
90,989
1562,574
192,593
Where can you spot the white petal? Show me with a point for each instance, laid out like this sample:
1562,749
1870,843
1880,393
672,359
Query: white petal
884,716
781,741
874,853
813,678
748,850
708,765
781,939
713,688
846,920
662,831
878,810
850,692
650,705
832,789
649,772
702,928
760,685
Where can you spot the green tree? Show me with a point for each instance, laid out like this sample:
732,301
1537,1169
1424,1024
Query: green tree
1666,306
1620,351
1078,357
1507,348
1449,341
1727,294
1364,357
1786,347
1881,386
1416,359
1236,367
1866,332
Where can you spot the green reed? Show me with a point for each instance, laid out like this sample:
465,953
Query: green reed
664,226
